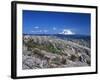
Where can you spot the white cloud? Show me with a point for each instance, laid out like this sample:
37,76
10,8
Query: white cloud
67,32
54,28
45,31
40,31
36,27
36,31
32,31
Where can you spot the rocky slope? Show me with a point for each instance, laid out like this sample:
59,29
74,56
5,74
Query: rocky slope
52,52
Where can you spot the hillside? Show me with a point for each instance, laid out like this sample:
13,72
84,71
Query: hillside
54,52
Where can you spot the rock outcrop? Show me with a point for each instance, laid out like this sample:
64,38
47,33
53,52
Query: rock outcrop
52,52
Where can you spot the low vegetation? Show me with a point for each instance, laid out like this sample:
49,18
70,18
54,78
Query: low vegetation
49,52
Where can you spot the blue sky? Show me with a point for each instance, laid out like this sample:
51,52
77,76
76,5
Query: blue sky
43,22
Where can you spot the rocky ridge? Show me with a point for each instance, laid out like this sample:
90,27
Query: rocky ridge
51,52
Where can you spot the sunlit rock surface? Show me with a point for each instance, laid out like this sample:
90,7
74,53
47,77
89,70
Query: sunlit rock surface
54,52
